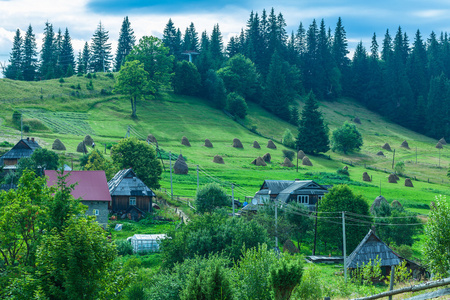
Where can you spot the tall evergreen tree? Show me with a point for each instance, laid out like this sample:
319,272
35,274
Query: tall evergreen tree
14,69
417,68
125,43
374,47
48,63
435,65
339,53
190,42
100,59
386,51
29,64
80,66
310,65
216,47
232,47
86,58
172,39
359,72
312,131
67,57
57,54
438,107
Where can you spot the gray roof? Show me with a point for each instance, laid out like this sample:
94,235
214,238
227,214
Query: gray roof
125,183
23,148
369,248
276,186
308,187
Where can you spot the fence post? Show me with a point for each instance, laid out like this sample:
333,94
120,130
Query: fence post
391,283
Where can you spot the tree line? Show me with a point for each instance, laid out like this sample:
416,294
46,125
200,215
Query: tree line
406,82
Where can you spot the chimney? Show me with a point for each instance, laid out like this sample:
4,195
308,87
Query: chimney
32,139
28,138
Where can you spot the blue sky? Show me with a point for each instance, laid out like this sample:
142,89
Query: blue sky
360,18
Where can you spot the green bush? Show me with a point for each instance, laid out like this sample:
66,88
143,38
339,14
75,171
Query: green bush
124,247
236,105
209,197
288,139
343,172
6,144
289,154
26,128
16,116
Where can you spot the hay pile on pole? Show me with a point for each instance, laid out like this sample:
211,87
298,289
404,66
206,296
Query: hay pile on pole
356,120
301,154
442,141
58,145
271,145
396,204
256,145
260,162
405,145
287,163
81,148
377,203
289,247
218,159
387,147
237,143
408,182
88,140
267,157
366,177
185,141
392,178
208,143
180,166
151,138
380,153
306,161
439,145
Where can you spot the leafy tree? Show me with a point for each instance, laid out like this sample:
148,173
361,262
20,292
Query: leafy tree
186,80
29,64
312,132
236,105
210,197
285,277
141,157
14,69
288,139
96,161
45,159
437,238
346,138
300,219
157,62
100,56
125,43
341,198
266,218
215,90
132,81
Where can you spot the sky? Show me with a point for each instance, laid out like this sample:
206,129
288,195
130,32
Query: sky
361,19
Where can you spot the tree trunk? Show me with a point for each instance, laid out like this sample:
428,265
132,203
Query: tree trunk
133,107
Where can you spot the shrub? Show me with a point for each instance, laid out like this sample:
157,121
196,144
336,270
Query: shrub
6,144
124,247
236,105
288,139
89,75
209,197
61,80
90,85
110,75
343,172
289,154
285,276
16,116
26,128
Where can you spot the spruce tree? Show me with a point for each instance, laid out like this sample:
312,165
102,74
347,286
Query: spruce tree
67,57
86,58
172,39
14,69
29,65
100,59
216,48
386,51
190,42
57,48
47,63
80,66
312,131
125,43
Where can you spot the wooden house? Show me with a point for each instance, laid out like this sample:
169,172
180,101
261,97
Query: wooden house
24,148
306,192
91,188
129,194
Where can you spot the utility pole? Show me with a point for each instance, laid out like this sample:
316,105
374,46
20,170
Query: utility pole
393,160
276,225
345,246
198,182
232,196
315,230
171,183
297,160
21,125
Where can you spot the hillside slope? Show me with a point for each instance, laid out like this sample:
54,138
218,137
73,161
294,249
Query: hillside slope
68,111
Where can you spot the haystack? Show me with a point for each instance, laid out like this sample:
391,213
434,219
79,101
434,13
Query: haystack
306,161
377,203
218,159
88,140
259,162
185,141
345,168
356,120
396,204
237,143
396,176
267,157
366,177
151,138
380,153
271,145
405,145
392,178
387,147
256,145
287,163
81,147
180,166
439,145
208,143
301,154
289,247
408,182
442,141
58,145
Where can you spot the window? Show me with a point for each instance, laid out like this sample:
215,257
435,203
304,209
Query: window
132,200
303,199
96,212
320,197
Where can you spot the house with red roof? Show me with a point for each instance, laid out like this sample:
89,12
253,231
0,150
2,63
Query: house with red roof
91,188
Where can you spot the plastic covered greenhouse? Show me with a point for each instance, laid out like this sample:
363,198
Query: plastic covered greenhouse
146,242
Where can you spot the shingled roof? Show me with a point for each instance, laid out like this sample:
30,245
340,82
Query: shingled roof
276,186
307,187
23,148
369,249
126,183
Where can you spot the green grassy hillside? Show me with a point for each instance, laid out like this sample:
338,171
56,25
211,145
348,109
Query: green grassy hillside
69,111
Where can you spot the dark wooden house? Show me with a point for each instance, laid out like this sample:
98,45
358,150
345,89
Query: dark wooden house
129,194
24,148
306,192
